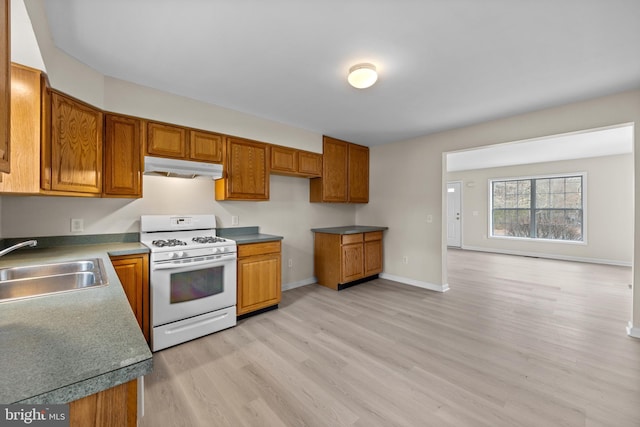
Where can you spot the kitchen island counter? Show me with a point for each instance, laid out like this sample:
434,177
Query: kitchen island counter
61,347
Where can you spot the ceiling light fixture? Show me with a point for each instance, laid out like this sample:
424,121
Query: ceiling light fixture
362,76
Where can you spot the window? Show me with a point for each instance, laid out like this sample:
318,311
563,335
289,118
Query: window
538,208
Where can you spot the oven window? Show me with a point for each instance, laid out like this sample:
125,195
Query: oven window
192,285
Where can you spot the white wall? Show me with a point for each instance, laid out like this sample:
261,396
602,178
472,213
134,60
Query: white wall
608,210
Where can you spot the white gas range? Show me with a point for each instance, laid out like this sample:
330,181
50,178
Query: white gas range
192,277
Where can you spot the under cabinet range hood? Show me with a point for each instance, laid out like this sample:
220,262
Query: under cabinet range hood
181,168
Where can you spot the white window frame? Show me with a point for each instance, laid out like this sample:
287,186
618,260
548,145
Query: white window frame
538,239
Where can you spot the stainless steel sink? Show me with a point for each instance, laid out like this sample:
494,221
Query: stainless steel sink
45,279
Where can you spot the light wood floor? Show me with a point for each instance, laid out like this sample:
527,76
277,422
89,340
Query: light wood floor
515,342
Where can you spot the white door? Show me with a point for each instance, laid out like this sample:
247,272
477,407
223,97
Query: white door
454,200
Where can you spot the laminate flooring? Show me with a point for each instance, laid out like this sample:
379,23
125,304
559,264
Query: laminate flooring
515,342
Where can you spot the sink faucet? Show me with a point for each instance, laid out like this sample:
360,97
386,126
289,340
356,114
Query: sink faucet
18,246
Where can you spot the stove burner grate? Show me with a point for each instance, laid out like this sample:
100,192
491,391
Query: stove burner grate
168,242
208,239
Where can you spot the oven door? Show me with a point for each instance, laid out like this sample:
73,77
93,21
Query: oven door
180,290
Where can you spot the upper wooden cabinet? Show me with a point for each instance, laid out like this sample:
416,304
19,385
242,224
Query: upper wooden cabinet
5,86
165,140
26,130
179,142
206,146
294,162
122,156
75,155
246,171
345,173
358,188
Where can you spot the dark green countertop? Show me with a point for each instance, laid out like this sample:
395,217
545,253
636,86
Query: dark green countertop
245,235
62,347
350,229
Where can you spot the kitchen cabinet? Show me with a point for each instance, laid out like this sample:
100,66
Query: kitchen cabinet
340,259
259,276
122,156
116,406
345,173
246,170
5,86
206,146
133,272
28,85
164,140
293,162
179,142
73,160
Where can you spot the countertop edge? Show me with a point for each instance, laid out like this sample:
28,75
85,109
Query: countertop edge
93,385
349,229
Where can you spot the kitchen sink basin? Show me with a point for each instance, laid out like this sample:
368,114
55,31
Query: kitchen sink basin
45,279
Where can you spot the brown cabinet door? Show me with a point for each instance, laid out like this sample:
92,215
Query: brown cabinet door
352,262
284,160
309,164
76,145
334,170
259,284
133,272
122,156
247,171
372,257
5,85
358,174
25,132
165,140
206,146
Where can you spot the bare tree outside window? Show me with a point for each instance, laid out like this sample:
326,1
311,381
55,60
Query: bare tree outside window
538,208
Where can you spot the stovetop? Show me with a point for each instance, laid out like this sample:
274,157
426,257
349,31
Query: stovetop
172,233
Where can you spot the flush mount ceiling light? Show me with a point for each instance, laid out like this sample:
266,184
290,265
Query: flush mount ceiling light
362,76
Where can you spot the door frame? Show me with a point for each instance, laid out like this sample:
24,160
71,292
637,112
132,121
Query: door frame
447,210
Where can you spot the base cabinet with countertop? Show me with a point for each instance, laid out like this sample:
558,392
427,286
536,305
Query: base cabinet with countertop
343,255
259,276
114,407
133,272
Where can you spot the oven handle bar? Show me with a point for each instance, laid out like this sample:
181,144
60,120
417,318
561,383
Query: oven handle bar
196,324
171,264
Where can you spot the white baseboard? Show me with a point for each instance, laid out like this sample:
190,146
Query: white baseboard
299,283
631,331
417,283
550,256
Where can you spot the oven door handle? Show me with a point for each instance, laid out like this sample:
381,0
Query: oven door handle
213,262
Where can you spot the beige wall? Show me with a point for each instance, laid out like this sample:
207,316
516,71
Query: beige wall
609,210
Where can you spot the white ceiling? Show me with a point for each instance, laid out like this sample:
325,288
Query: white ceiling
442,63
575,145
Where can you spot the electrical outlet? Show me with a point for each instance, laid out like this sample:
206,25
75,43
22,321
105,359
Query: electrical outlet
77,224
235,220
405,260
290,263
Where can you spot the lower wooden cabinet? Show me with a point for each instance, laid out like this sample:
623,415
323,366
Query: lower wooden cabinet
259,276
113,407
133,272
343,258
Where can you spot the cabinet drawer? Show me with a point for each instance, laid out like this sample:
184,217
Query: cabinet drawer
351,238
372,235
252,249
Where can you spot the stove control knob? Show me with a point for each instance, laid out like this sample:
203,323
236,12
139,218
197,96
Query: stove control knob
222,249
173,255
181,254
